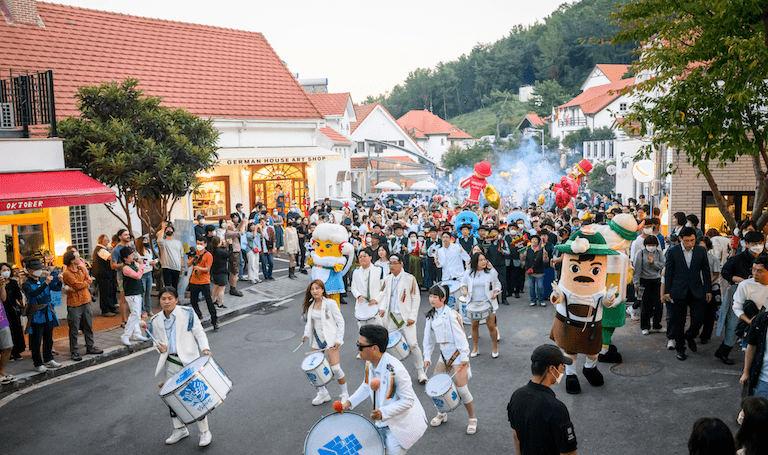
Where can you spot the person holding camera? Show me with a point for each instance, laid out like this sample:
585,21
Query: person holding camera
37,289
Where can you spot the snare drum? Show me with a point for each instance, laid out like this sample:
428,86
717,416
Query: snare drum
479,311
441,389
366,314
346,432
196,390
454,286
317,369
397,345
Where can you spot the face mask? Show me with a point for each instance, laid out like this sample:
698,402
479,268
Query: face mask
200,247
740,418
650,249
689,224
559,378
736,231
647,231
6,274
757,249
513,232
37,273
168,233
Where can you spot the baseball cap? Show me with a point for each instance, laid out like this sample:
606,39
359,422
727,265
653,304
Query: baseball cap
200,216
549,354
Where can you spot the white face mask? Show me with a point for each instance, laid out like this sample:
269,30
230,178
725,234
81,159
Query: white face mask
689,224
757,249
37,273
650,249
559,378
513,232
647,231
6,274
740,418
200,247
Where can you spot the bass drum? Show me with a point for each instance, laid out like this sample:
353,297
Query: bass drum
345,432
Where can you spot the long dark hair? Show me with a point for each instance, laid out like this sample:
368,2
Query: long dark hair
752,435
308,299
473,261
442,291
711,436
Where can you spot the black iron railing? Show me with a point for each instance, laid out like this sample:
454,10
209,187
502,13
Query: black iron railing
26,99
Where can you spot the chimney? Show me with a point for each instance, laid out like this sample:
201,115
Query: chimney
21,12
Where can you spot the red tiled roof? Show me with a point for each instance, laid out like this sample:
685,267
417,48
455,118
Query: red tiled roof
334,135
361,112
535,119
596,98
426,123
613,72
330,103
210,71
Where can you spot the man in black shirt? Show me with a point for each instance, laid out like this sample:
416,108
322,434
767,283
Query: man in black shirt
540,422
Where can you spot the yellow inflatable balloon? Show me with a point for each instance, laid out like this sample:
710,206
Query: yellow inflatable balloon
492,196
542,200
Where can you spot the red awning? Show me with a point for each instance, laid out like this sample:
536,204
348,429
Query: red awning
39,190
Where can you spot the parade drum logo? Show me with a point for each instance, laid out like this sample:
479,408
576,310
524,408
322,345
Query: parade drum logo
326,371
454,395
349,446
439,403
184,375
405,347
312,377
196,393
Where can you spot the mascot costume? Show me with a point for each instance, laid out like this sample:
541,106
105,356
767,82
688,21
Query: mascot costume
477,185
331,258
568,188
579,298
470,218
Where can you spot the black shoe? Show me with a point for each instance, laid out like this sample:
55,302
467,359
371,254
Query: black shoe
342,301
504,302
681,355
94,350
76,357
692,344
270,279
215,326
16,357
594,377
725,360
517,295
235,292
303,271
572,385
220,307
609,357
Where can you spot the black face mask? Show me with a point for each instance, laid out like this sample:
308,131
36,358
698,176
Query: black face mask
168,233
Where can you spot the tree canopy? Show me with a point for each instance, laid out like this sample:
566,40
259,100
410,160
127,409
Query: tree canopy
150,154
701,84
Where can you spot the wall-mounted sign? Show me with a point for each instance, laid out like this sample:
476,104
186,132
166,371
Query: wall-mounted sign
275,160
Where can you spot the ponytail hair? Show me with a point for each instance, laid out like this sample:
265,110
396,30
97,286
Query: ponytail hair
442,292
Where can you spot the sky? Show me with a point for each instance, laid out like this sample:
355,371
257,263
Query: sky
359,46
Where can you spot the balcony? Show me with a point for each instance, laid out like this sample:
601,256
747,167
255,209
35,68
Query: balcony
26,99
579,121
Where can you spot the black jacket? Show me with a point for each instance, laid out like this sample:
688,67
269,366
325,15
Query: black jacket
679,278
756,337
739,265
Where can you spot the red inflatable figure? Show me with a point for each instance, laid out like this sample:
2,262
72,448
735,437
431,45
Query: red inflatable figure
476,182
568,187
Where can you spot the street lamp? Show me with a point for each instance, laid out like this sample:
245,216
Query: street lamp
536,130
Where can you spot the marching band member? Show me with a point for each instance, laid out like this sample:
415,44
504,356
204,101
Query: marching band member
444,327
325,325
397,414
398,243
450,258
180,338
367,285
401,291
382,253
481,284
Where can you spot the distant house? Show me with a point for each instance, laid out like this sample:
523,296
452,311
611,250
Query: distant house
434,134
604,74
531,120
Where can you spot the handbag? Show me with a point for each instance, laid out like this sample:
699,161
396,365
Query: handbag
529,271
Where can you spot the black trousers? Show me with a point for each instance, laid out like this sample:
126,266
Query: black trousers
517,279
171,278
652,307
41,333
302,254
710,311
194,292
502,271
17,330
677,311
107,294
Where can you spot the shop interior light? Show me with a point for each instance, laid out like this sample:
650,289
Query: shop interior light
206,175
665,218
60,247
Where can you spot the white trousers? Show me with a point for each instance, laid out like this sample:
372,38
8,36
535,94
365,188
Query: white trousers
132,324
253,265
390,442
410,337
170,370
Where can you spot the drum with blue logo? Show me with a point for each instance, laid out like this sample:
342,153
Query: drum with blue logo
397,345
317,368
196,390
345,432
441,389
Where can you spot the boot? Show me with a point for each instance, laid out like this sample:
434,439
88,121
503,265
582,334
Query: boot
291,273
594,377
722,353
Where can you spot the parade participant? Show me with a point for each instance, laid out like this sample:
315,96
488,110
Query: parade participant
517,240
382,253
433,274
331,258
180,338
540,422
398,243
397,413
755,373
648,265
324,327
367,285
497,252
534,259
480,284
444,327
466,241
134,289
450,258
753,289
579,298
415,247
476,182
402,295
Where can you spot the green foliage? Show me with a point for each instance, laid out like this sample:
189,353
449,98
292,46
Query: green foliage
546,95
552,143
574,139
600,181
455,157
560,49
149,153
706,97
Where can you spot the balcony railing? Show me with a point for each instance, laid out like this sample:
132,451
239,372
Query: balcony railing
26,99
579,121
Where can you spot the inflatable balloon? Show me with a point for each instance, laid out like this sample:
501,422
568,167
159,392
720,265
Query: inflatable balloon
467,217
476,182
515,215
568,187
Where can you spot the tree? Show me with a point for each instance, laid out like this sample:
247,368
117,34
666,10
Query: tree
706,94
599,181
150,154
546,95
457,157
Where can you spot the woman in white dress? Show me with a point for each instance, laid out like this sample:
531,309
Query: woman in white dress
481,284
325,330
444,328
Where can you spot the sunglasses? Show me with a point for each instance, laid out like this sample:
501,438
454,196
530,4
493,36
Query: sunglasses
360,347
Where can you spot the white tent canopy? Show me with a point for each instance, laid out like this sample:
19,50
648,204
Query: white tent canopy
423,185
387,185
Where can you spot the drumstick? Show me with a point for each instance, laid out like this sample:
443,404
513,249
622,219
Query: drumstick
300,345
454,374
144,326
375,384
319,350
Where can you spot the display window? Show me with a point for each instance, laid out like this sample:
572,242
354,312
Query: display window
211,199
278,185
25,234
739,203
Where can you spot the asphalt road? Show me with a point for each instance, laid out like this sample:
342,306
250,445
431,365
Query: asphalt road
116,408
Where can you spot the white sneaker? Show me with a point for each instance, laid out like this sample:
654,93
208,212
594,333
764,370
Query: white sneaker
322,397
632,313
52,364
671,344
41,369
140,338
125,341
422,377
205,438
645,331
177,435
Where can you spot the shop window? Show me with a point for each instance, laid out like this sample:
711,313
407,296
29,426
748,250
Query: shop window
211,199
78,227
32,242
739,203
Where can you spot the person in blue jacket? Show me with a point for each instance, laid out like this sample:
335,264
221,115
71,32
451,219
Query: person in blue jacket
38,289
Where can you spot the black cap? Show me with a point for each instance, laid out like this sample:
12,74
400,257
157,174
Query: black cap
200,216
34,264
125,252
549,354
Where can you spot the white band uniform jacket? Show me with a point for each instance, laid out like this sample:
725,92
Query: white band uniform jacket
190,336
400,410
360,285
450,260
491,284
407,294
446,329
332,328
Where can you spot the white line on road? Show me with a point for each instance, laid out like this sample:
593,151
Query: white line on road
728,372
701,388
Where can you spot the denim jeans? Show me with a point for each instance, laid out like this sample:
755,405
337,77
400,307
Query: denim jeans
146,305
267,264
243,260
536,288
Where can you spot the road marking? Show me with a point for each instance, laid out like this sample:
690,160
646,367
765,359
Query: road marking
701,388
235,319
728,372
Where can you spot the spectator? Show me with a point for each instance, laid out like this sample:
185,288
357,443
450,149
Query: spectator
711,436
540,422
253,238
77,279
534,258
688,285
238,215
291,248
105,277
171,254
277,222
648,264
219,274
200,226
200,280
14,308
679,223
148,261
303,232
279,200
6,338
116,262
37,288
710,309
210,232
751,439
221,230
267,249
720,245
692,221
134,290
233,239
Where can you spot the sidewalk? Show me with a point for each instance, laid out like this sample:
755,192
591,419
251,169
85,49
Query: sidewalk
107,331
